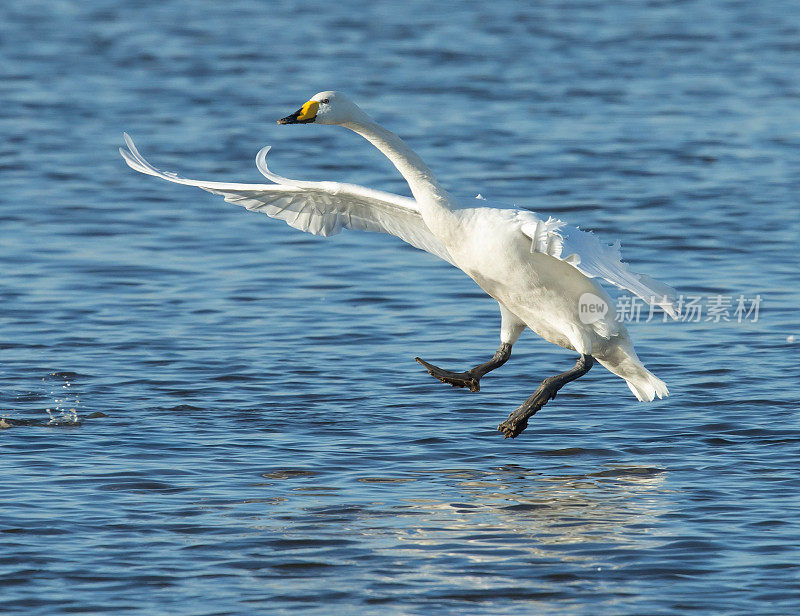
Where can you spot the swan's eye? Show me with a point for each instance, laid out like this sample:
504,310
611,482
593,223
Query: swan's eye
325,100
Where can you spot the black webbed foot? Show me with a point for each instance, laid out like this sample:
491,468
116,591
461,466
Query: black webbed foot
456,379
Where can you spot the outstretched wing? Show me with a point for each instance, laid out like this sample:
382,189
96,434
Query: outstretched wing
583,250
321,208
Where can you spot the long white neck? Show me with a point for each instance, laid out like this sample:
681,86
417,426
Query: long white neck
433,200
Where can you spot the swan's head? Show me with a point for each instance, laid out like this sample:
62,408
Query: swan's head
328,107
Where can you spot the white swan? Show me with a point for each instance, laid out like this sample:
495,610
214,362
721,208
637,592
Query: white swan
539,271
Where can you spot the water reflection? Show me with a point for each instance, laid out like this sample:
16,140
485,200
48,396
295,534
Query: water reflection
522,509
510,516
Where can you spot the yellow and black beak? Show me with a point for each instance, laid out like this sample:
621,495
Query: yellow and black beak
307,113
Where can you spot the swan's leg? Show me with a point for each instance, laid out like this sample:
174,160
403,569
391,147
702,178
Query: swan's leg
510,329
518,420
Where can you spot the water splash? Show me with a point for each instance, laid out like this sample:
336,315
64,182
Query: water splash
65,417
65,398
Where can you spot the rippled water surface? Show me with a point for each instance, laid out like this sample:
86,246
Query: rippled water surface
211,413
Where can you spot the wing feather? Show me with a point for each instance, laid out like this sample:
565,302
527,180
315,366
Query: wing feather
326,208
583,250
321,208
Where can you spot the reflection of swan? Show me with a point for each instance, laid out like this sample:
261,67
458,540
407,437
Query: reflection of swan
539,271
513,513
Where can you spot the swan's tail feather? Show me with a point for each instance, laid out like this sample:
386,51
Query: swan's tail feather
645,385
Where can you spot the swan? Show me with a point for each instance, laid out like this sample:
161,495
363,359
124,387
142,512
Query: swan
542,273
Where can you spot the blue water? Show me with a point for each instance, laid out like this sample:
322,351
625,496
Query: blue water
212,413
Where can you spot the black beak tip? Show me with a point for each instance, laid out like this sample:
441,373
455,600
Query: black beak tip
293,119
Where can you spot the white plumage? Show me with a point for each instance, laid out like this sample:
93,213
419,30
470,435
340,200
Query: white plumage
321,208
537,269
